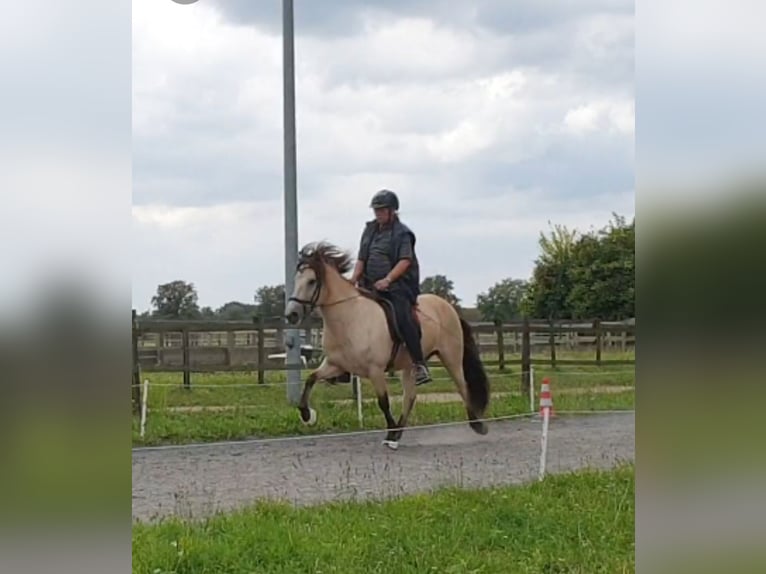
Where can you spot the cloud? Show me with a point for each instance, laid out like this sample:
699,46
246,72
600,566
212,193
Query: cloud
603,116
486,132
230,250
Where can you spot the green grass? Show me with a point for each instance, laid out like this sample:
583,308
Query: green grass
576,523
262,410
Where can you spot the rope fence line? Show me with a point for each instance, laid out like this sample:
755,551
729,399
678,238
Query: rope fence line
545,412
367,432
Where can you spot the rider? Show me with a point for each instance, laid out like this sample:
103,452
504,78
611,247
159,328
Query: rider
387,263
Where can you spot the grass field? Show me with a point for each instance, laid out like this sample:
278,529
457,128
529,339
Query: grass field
262,411
580,522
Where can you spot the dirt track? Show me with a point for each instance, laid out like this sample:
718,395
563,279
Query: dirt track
193,482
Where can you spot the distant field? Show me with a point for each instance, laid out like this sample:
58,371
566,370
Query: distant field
581,522
262,410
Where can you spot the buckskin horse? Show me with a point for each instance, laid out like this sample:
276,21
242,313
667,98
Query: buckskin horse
360,336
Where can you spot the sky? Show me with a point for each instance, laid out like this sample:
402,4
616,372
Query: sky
491,120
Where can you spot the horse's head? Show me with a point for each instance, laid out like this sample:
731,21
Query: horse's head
316,262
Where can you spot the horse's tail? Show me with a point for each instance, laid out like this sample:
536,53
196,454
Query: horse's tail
474,373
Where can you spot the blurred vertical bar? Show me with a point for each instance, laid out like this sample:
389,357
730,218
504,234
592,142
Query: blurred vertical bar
65,338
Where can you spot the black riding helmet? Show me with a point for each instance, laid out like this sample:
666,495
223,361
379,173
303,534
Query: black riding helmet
385,198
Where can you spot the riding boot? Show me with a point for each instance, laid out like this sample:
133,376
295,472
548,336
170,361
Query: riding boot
412,340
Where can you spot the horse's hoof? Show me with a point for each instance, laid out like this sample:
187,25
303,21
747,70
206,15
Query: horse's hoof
312,418
392,444
479,427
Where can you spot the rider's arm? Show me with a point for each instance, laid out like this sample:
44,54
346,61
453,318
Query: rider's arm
399,269
358,270
405,259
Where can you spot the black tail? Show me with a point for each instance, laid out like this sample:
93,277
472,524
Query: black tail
474,373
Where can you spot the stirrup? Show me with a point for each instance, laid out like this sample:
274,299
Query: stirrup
422,375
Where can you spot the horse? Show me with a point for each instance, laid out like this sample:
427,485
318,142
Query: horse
360,336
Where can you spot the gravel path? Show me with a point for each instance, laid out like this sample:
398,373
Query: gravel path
194,482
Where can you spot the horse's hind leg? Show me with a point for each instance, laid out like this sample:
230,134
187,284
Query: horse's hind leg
324,371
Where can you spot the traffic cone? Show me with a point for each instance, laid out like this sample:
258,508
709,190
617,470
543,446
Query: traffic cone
546,399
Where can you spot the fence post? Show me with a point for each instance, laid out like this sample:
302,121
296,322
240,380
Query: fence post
597,327
261,350
187,362
526,357
552,343
136,379
500,346
230,342
624,339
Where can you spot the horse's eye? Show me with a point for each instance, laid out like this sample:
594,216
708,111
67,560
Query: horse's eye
312,282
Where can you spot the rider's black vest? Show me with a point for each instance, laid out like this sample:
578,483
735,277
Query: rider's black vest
411,277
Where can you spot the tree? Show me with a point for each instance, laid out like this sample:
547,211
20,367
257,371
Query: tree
207,313
551,278
270,301
441,286
236,311
550,289
503,301
590,276
603,273
176,300
558,248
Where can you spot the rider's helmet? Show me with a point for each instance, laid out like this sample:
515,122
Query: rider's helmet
385,198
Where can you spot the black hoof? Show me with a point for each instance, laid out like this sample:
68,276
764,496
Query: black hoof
394,435
479,427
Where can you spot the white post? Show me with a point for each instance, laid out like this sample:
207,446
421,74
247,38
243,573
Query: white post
544,442
531,389
143,407
358,385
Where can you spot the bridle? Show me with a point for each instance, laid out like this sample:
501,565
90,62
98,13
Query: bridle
312,303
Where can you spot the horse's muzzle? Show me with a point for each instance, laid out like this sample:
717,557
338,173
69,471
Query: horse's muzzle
292,318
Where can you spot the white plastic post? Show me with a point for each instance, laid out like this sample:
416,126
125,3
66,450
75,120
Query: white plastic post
546,404
544,442
358,385
531,389
143,407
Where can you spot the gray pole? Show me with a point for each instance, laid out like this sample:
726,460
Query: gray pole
292,341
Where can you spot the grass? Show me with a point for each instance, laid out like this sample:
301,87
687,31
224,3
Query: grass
262,410
576,523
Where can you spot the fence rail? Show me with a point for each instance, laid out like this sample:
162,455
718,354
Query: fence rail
256,346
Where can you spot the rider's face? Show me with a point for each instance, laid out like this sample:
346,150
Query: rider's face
382,215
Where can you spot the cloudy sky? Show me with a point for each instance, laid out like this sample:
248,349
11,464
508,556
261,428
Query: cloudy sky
489,119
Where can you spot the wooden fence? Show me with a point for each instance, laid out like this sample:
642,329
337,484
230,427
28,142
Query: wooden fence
256,346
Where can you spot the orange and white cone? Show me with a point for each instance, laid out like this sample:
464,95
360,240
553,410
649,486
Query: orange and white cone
546,399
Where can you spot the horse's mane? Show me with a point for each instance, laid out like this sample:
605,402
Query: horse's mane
318,252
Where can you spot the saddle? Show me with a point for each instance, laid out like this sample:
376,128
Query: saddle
393,328
390,312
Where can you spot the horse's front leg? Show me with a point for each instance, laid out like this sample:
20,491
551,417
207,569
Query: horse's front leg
325,371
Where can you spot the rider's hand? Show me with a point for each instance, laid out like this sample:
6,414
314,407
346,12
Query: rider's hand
382,284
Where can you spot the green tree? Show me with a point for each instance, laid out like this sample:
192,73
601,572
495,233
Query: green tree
585,276
270,301
207,313
441,286
551,278
504,301
550,289
603,273
176,300
559,246
236,311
